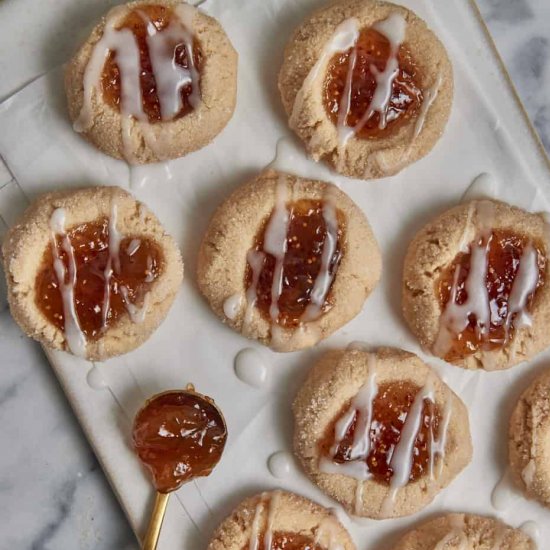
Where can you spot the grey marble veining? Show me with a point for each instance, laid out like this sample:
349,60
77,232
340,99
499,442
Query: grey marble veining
53,495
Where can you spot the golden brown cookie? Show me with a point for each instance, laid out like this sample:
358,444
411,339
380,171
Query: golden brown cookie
475,285
529,440
367,87
465,532
287,260
379,432
90,271
154,81
279,520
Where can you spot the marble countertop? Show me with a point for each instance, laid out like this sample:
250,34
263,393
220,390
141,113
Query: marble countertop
53,494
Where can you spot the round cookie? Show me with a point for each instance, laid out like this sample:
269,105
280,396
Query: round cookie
379,432
90,271
287,260
284,519
475,285
367,87
529,437
151,108
465,532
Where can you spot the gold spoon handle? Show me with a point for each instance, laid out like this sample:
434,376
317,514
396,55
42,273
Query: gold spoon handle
153,531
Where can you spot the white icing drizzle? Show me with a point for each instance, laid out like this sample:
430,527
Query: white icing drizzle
359,490
280,464
169,76
345,36
361,407
133,247
455,317
255,259
429,97
66,278
393,28
276,244
250,368
456,532
504,494
484,186
326,530
325,277
403,454
232,305
95,379
254,543
149,275
529,472
268,537
137,314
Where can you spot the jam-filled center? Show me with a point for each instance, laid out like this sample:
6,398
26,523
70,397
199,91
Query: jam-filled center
100,298
169,44
302,264
390,409
178,436
362,64
514,268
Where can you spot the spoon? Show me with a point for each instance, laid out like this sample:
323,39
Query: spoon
178,435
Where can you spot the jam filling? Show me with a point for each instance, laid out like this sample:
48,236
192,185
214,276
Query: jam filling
390,409
90,242
302,262
373,50
288,541
504,252
161,17
178,436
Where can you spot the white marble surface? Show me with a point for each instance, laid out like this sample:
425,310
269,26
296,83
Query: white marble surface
53,494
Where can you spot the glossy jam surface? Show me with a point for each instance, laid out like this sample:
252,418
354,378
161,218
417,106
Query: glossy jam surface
302,263
373,49
390,409
90,242
161,17
178,436
504,252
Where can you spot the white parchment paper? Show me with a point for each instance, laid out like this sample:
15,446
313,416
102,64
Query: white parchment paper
486,133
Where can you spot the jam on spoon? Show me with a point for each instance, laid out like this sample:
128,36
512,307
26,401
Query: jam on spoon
178,435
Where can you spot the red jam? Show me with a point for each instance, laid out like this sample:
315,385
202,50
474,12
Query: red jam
161,17
504,253
179,435
302,263
390,408
373,49
90,242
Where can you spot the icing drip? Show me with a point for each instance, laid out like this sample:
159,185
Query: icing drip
255,259
326,531
531,528
169,77
251,368
280,464
232,306
268,537
254,543
344,37
275,243
402,458
76,340
429,97
325,277
504,493
137,314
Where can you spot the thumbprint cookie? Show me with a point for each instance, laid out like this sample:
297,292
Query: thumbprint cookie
367,87
474,287
465,532
279,520
379,432
90,271
288,260
529,451
154,81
